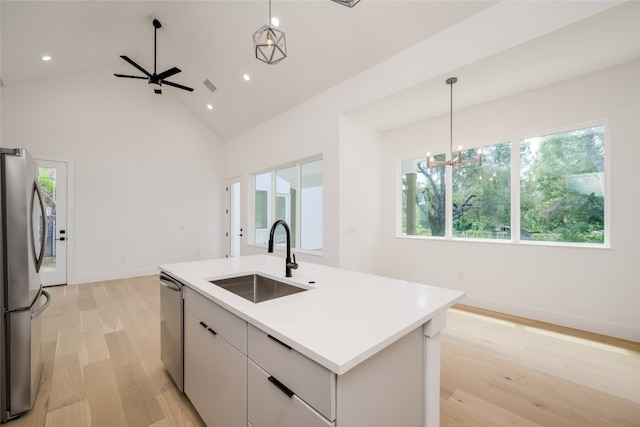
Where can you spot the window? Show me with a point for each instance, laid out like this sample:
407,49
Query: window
293,194
562,187
423,198
482,194
560,183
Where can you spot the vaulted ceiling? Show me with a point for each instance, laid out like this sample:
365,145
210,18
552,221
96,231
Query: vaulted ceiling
211,40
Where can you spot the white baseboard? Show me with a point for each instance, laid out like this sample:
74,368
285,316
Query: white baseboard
112,276
576,322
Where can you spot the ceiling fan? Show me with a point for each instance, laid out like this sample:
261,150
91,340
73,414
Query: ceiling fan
155,80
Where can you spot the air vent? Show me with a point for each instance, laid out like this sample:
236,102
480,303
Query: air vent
209,85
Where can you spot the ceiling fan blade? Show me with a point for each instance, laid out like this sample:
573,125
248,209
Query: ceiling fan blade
130,61
164,82
131,77
168,73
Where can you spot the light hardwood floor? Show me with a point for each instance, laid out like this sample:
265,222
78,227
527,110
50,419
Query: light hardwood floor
102,367
501,370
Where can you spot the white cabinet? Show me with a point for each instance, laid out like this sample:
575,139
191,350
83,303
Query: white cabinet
196,361
384,390
214,363
285,387
313,383
272,404
238,375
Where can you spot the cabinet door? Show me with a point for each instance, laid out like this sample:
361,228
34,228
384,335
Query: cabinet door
215,374
270,406
227,381
196,360
313,383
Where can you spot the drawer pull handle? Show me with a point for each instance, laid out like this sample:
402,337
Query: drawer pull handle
283,388
204,325
212,331
279,342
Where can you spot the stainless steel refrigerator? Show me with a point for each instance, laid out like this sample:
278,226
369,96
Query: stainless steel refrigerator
23,235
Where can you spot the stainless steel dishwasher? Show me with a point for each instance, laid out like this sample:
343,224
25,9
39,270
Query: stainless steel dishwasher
171,335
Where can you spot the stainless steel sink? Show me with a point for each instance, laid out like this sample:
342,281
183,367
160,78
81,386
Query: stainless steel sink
257,288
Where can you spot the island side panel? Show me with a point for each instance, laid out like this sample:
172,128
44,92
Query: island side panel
386,389
432,369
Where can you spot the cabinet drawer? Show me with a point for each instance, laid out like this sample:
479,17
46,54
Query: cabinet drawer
310,381
269,406
228,325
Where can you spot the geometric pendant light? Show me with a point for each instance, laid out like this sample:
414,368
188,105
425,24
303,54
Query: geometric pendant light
348,3
269,43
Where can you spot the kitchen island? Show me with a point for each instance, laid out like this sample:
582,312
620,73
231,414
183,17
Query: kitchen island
353,349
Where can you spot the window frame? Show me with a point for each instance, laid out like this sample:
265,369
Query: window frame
272,204
515,142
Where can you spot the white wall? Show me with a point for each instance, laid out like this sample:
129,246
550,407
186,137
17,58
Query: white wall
530,288
313,127
147,176
361,200
303,132
129,149
585,288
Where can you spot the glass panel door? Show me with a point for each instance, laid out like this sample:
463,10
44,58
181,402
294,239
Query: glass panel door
53,184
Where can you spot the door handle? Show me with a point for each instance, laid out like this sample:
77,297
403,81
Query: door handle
38,258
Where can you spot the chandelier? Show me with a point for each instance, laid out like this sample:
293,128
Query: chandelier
269,43
458,160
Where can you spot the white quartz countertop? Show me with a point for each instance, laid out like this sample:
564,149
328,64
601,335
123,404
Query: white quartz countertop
344,318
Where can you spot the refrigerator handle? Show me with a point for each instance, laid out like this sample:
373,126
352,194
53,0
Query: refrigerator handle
39,258
39,311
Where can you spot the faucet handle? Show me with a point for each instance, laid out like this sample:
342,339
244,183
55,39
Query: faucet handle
293,264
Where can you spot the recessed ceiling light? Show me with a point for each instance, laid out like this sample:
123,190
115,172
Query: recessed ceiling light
210,107
246,77
46,58
275,22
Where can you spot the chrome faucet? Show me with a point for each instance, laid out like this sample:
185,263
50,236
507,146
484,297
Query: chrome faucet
288,264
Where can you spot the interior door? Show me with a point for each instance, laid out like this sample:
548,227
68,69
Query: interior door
53,184
234,231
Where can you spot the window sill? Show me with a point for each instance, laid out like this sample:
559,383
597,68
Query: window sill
514,242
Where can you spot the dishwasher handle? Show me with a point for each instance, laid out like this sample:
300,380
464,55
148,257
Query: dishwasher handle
169,282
